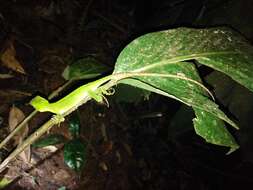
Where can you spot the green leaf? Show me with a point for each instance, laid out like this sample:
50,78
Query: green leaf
85,68
219,48
75,154
62,188
49,140
163,62
74,125
186,91
213,131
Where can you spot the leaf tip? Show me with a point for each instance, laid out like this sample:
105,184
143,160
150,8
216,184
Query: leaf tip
232,149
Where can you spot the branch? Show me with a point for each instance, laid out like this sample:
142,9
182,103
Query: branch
55,120
30,116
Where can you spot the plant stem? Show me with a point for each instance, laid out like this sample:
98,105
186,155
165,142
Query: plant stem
44,128
39,132
58,90
30,116
17,129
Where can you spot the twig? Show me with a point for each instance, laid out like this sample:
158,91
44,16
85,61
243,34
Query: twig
30,116
55,120
44,128
58,90
17,129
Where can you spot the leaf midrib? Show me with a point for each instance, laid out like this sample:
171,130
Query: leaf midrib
182,58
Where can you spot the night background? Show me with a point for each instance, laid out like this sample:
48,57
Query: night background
136,142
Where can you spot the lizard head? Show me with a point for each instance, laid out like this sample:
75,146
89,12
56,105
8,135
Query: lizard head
39,103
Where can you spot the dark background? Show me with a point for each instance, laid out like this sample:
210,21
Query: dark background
151,144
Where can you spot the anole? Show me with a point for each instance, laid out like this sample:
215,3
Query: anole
72,100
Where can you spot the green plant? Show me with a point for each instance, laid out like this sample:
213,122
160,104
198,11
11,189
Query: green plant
74,149
165,63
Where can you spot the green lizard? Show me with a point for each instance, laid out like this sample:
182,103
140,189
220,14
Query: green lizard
73,99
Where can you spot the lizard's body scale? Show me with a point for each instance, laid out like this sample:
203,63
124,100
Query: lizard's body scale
71,100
